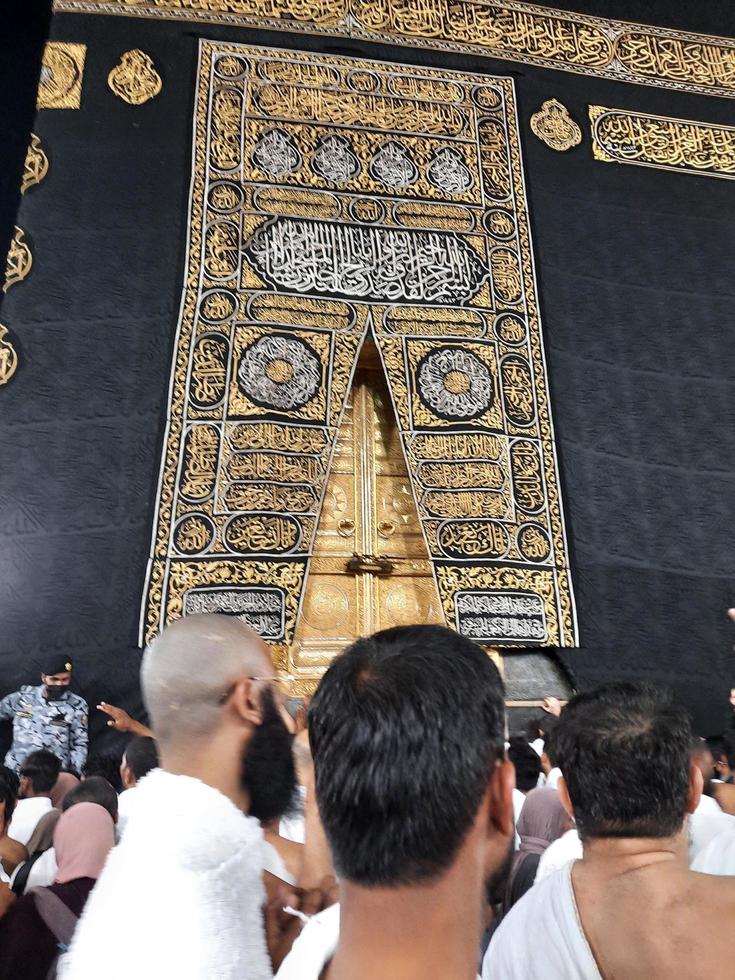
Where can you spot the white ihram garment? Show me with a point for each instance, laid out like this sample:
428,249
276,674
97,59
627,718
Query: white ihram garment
718,857
541,938
180,896
26,815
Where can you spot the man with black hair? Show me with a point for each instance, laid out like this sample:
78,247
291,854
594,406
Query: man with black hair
631,908
526,763
415,793
139,758
48,716
38,773
95,789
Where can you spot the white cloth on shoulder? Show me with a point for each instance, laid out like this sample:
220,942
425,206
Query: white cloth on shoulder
718,857
313,948
43,872
559,854
184,884
274,864
26,815
541,938
707,822
518,800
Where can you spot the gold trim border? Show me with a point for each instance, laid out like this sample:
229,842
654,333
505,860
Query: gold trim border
507,30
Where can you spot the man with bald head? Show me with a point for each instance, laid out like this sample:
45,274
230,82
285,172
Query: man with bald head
182,894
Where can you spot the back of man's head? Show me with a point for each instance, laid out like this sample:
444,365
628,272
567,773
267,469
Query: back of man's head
623,750
526,762
188,672
8,798
141,755
405,728
40,770
11,778
95,789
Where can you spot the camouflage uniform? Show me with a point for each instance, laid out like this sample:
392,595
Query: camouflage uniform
59,726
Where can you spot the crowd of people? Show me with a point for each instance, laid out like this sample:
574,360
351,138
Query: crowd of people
397,834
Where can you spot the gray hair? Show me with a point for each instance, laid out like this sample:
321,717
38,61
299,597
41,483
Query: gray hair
189,669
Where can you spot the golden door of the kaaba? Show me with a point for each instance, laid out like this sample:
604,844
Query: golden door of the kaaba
370,568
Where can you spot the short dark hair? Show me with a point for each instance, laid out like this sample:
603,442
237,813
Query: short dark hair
623,750
10,776
8,796
405,729
95,789
42,768
526,762
106,765
141,755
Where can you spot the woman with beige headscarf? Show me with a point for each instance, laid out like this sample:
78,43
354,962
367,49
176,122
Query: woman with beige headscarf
39,924
543,819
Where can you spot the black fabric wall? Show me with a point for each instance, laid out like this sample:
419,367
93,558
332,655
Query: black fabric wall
635,270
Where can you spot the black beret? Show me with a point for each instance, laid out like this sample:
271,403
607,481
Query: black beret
56,663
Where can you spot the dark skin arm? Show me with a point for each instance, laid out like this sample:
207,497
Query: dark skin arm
121,721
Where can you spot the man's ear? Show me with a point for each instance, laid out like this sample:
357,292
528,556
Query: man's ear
563,791
126,777
246,701
696,785
500,798
24,785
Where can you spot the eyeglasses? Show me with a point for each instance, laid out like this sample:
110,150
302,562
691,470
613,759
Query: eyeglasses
281,682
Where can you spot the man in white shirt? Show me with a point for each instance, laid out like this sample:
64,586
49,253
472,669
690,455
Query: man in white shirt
38,774
630,908
139,758
415,795
185,880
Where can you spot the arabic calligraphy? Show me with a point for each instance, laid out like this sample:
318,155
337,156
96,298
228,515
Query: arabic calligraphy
622,136
554,126
35,167
366,263
509,30
19,260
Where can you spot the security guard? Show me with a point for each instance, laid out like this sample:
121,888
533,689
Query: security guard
48,717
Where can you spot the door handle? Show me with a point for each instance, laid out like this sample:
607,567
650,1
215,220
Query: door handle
370,564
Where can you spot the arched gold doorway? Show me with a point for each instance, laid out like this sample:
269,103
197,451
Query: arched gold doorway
370,568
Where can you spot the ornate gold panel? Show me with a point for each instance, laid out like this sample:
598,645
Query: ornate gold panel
368,510
306,234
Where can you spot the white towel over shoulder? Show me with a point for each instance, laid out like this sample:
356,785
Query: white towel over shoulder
180,896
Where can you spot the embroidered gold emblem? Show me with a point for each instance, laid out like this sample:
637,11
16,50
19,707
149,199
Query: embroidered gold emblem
35,167
8,357
554,126
19,261
60,85
135,79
